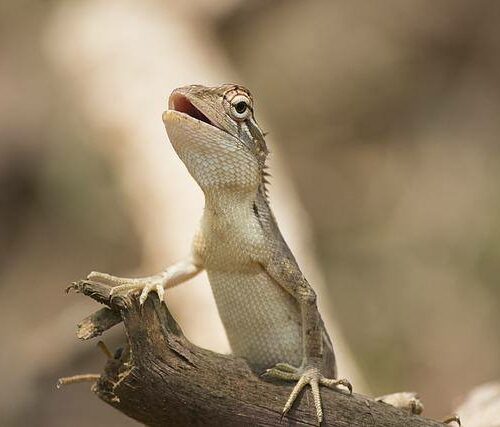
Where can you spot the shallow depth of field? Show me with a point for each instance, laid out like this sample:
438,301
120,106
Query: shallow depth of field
384,132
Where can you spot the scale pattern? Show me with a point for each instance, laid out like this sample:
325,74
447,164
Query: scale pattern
258,329
238,236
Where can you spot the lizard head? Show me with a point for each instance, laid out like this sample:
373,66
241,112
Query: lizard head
214,132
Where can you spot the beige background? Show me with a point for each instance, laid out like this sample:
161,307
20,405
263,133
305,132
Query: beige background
383,120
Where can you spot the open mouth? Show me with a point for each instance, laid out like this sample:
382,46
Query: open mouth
182,104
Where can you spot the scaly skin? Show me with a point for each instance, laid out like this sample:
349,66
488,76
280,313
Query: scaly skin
267,306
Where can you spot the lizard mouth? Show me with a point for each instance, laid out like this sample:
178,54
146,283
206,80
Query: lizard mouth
182,104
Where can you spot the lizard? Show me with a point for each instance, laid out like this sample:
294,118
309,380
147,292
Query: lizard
268,308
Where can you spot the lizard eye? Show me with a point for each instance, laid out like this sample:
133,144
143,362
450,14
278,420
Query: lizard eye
240,107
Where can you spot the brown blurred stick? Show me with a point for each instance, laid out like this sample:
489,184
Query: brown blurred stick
166,380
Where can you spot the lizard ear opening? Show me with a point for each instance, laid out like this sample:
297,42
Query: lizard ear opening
182,104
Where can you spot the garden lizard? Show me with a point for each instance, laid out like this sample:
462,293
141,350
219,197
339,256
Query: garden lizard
266,305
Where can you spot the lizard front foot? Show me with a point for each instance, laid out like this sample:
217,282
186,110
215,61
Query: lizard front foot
306,374
124,285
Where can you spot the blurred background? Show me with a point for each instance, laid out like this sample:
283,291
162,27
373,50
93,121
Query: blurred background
384,125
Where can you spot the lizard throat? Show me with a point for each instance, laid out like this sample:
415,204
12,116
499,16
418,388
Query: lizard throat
182,104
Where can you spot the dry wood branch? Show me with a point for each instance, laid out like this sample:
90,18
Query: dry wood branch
98,322
163,379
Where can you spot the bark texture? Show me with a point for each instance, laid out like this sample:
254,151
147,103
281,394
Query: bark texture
160,378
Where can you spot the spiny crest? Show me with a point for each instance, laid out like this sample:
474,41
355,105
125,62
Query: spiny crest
250,132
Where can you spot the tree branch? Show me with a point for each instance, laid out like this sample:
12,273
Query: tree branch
98,322
163,379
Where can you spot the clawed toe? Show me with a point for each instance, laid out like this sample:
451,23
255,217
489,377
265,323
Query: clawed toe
335,383
310,375
285,367
158,287
124,286
124,289
105,278
281,374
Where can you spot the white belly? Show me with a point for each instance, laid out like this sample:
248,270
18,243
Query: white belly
262,320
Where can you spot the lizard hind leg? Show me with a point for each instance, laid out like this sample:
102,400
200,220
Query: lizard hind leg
308,375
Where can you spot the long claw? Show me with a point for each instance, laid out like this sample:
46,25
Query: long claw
123,284
317,399
99,277
306,374
144,294
285,367
107,278
282,375
146,289
160,291
334,383
127,287
295,392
